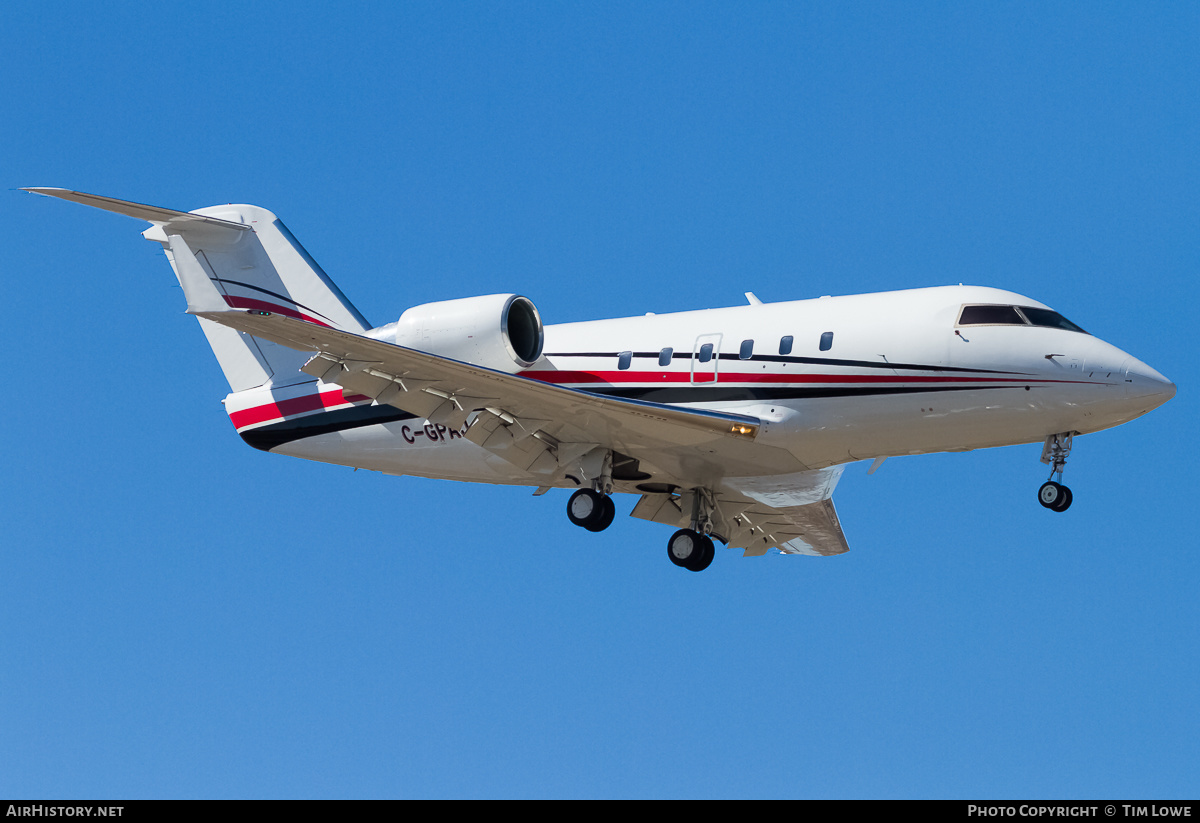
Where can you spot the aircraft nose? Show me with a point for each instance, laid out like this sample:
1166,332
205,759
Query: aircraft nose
1143,382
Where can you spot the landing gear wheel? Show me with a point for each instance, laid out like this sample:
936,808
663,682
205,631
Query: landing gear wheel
706,556
1067,503
683,547
591,510
608,511
1054,496
584,507
690,550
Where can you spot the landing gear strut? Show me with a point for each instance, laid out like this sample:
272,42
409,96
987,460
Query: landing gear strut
1054,495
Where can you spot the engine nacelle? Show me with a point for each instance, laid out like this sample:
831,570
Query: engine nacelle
498,331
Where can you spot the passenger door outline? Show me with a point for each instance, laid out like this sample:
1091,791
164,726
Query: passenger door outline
706,372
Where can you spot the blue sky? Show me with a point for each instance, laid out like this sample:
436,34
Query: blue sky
186,617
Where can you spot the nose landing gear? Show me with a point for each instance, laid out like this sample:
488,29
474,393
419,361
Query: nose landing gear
1054,495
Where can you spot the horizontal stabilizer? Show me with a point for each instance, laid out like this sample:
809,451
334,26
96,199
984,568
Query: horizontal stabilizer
177,220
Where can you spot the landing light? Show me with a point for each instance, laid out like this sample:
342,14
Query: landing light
743,430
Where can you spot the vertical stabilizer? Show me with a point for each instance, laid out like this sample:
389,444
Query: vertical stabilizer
265,268
239,256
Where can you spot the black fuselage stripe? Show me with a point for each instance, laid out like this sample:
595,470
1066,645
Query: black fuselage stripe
723,394
783,358
286,431
274,294
276,434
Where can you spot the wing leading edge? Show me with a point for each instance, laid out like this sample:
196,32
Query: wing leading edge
448,391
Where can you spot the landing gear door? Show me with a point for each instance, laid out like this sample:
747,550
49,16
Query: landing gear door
705,356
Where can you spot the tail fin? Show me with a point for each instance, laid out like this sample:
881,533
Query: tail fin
242,257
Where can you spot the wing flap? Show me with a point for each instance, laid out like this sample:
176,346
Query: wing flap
748,518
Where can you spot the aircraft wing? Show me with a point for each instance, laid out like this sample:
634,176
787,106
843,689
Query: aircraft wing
766,497
816,527
542,428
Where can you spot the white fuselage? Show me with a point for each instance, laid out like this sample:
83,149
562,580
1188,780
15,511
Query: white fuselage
865,376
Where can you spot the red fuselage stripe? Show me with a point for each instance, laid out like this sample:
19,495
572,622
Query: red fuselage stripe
335,398
651,378
296,405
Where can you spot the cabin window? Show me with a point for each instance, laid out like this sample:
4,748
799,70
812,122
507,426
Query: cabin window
624,359
747,350
827,341
664,356
990,316
706,352
785,345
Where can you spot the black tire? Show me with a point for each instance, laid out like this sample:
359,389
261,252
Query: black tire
1067,498
604,519
690,550
707,552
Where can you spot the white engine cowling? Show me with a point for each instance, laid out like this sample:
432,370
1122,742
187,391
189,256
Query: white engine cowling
498,331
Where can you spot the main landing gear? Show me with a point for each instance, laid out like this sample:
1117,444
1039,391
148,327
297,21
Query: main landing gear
692,549
1054,495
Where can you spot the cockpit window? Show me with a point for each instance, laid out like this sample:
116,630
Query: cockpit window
1049,319
990,316
1015,316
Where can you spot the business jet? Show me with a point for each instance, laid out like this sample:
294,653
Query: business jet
732,425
